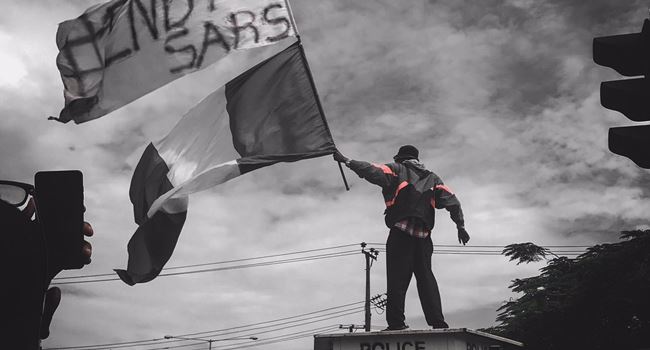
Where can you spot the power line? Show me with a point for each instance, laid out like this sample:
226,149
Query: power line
225,331
222,262
456,251
498,246
486,252
304,322
266,263
267,256
276,320
263,342
285,261
160,341
281,338
253,332
267,341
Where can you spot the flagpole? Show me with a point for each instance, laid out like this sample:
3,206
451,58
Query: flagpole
293,20
313,85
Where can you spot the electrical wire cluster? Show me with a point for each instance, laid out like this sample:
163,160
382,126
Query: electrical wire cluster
268,332
448,249
305,255
282,329
266,260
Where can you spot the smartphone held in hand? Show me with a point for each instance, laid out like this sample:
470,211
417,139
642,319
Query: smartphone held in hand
59,209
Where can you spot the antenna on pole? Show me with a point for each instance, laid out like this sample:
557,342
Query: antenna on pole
379,301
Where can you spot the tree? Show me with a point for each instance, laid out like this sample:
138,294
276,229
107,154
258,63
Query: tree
599,300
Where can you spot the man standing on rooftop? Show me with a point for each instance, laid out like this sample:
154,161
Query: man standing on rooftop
412,193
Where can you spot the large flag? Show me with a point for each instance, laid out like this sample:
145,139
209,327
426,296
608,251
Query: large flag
268,114
121,50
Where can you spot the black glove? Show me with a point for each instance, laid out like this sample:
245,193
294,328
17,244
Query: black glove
463,236
340,157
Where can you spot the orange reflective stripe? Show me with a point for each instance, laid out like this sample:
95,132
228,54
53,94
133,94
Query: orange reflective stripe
384,168
399,188
445,188
439,187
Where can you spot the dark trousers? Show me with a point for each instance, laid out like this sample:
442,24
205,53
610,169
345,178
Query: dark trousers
407,255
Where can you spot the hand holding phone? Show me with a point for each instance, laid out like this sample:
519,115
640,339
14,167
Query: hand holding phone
37,250
59,210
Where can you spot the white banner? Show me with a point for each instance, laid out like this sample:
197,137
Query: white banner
121,50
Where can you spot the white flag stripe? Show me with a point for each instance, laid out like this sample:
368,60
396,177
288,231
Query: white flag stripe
200,140
174,205
199,149
211,177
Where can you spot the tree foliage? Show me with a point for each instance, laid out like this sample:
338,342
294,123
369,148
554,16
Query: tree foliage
526,252
599,300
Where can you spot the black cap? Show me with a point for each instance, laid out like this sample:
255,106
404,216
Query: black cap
407,152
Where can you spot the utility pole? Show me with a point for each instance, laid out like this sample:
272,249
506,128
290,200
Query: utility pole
369,254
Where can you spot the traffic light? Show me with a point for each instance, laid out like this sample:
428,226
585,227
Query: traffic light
629,55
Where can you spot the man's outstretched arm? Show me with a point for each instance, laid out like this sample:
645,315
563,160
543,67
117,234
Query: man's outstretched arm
445,198
378,174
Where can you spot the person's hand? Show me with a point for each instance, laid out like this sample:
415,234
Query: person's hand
339,157
53,267
86,251
53,295
463,236
31,305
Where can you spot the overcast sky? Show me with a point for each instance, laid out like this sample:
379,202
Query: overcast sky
501,98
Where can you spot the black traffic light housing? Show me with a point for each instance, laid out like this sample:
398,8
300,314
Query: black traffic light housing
629,55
